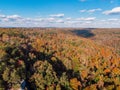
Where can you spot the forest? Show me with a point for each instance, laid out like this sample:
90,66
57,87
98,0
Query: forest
59,59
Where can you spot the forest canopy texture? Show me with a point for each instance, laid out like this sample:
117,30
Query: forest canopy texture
58,59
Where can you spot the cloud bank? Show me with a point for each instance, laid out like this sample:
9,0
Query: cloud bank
57,20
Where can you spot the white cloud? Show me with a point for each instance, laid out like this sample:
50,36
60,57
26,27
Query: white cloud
87,22
86,19
51,20
10,17
57,15
102,20
60,21
38,19
82,0
91,10
90,19
84,10
114,11
68,19
14,16
94,10
113,19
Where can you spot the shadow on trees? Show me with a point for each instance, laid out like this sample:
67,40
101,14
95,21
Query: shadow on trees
86,33
57,65
25,49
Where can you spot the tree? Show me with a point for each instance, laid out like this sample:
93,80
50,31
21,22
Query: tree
44,75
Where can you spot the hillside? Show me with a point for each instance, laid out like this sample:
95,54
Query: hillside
102,36
55,59
108,37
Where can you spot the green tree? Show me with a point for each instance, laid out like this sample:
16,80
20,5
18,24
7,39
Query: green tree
44,75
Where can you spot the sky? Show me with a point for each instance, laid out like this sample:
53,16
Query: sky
60,13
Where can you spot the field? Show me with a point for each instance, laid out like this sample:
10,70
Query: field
59,59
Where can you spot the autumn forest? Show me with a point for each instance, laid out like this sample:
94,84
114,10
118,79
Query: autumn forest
59,59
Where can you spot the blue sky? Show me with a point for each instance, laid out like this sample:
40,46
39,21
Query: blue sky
60,13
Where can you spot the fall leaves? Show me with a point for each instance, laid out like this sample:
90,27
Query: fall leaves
56,60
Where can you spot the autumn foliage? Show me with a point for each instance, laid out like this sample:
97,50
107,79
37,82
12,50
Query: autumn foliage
49,59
